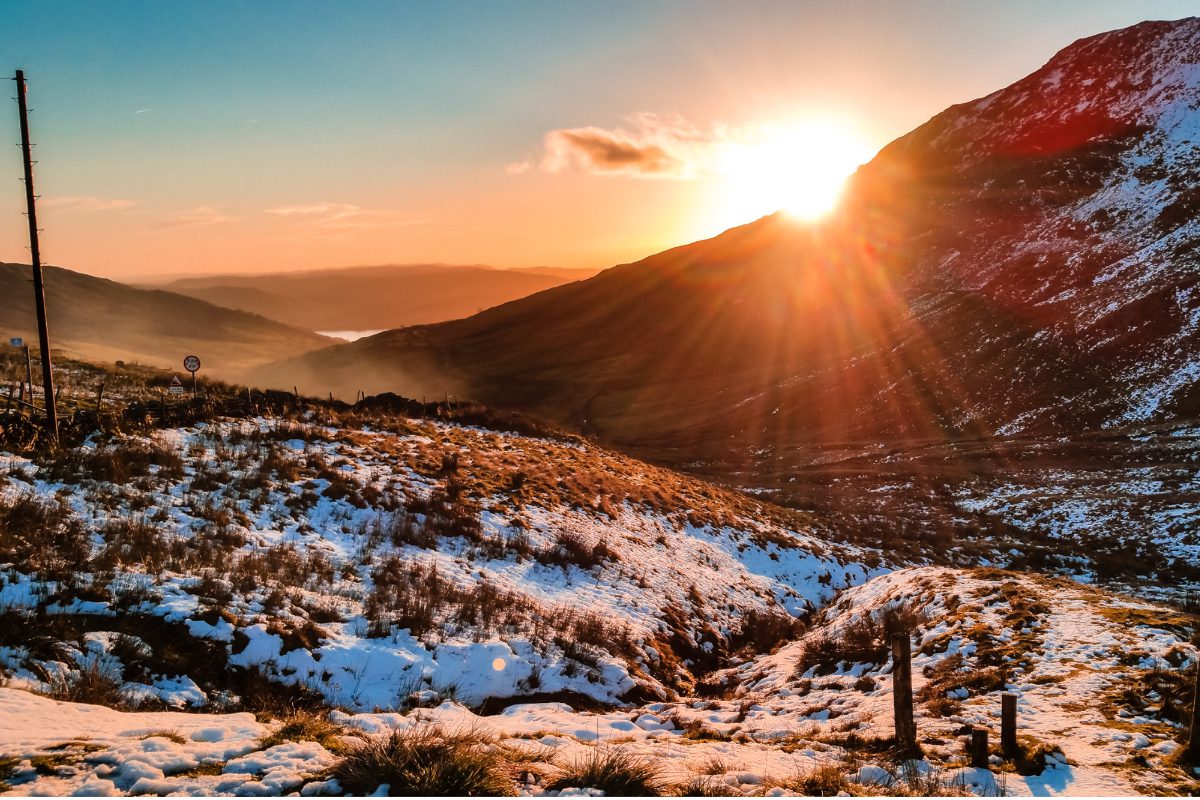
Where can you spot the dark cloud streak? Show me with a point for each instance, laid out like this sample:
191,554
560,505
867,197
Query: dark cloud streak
600,151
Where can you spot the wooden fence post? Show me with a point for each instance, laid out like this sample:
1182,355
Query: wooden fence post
979,747
902,694
1193,750
29,373
100,406
1008,725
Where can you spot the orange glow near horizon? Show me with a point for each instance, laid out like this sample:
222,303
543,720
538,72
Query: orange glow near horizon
410,133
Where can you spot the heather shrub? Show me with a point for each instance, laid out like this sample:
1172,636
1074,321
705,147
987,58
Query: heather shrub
42,536
867,640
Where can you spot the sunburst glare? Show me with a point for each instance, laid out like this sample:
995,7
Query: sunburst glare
798,168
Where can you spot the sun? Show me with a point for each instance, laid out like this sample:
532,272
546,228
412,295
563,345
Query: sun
798,168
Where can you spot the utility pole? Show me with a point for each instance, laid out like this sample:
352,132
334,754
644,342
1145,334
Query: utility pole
39,294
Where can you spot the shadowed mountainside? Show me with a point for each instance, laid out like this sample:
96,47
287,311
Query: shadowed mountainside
1021,264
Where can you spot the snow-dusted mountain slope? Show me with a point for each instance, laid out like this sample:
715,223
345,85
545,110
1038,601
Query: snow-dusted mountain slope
1118,507
1022,264
1068,202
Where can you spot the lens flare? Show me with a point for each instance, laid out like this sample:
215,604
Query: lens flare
798,168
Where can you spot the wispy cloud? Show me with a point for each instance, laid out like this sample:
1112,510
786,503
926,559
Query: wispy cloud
343,216
87,203
144,110
314,210
200,216
654,146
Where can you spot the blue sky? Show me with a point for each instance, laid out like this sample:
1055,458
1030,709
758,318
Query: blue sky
168,131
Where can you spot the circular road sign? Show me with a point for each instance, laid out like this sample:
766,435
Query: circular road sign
191,363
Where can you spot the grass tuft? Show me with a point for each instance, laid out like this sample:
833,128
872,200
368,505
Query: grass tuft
170,735
426,760
92,683
618,773
308,726
702,786
822,780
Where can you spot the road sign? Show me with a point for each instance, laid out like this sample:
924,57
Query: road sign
176,386
16,341
191,364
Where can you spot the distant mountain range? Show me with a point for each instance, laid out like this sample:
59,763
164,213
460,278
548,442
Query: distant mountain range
374,297
1022,264
103,320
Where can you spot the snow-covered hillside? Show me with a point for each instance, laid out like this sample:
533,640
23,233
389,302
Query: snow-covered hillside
367,564
1119,508
1101,679
1068,201
1098,679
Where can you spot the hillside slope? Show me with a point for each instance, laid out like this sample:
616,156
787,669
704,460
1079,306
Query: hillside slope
103,320
373,298
347,571
1101,682
1023,263
365,561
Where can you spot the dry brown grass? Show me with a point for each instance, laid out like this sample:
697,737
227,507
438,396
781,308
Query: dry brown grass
308,726
427,760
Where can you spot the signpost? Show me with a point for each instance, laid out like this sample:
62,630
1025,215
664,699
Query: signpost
176,386
16,341
191,364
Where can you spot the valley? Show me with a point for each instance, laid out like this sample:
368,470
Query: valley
252,596
898,500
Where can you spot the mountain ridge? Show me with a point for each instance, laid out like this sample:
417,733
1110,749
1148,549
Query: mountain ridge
101,319
970,284
373,297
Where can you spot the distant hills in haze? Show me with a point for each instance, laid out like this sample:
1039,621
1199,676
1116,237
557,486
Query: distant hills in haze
103,320
374,297
1026,263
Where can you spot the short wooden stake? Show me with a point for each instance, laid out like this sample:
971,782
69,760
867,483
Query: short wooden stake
1193,750
979,747
902,694
1008,725
29,372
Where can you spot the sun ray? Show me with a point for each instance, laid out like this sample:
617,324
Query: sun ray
798,168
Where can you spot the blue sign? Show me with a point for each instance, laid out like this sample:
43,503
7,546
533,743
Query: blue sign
16,341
